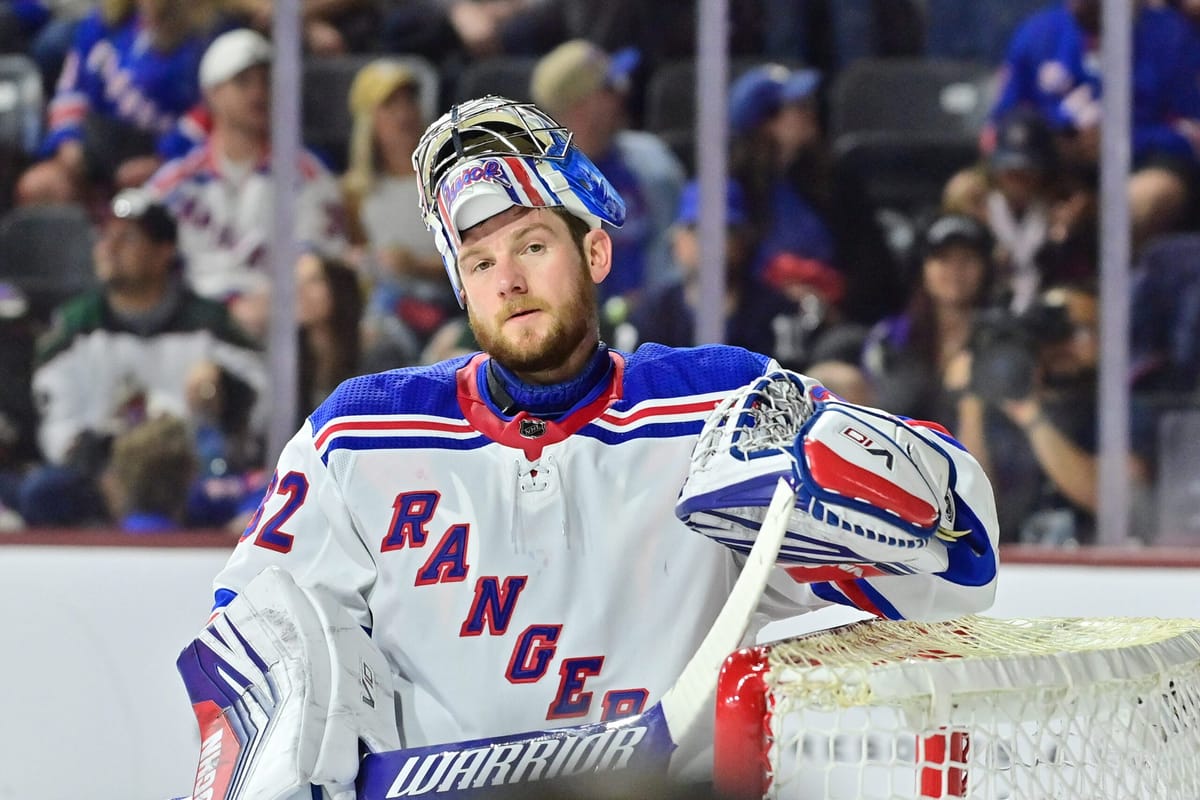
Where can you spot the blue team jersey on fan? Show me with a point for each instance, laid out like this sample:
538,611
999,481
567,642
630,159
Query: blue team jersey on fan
1053,66
113,71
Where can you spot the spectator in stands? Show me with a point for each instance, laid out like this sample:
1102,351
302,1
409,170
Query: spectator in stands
1027,411
410,298
1071,252
18,419
585,89
452,32
967,193
830,35
229,475
906,357
221,192
43,29
1164,324
1190,9
667,314
1022,167
1053,67
120,353
779,155
328,312
330,27
1043,217
19,22
446,31
146,481
126,99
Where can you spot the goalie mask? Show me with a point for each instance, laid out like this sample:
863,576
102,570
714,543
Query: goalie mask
488,155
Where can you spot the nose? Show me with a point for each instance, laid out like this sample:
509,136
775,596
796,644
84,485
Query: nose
510,277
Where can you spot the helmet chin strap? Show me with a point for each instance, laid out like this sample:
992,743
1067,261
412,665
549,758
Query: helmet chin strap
499,392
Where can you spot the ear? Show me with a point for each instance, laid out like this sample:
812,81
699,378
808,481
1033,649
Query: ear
597,248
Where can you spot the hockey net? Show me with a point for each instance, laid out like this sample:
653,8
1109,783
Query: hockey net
976,707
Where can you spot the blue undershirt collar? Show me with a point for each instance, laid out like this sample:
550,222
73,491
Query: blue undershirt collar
552,401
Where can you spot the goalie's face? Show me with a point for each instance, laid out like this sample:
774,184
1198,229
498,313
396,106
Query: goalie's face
530,287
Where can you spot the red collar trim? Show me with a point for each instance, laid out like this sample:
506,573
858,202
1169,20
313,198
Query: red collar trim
524,431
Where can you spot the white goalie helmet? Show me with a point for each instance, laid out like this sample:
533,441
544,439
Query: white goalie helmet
487,155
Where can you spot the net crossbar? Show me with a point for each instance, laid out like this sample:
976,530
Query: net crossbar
1104,709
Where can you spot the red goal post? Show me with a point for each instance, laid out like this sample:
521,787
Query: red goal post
975,707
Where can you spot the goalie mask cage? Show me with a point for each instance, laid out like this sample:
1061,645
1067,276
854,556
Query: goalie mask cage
1039,709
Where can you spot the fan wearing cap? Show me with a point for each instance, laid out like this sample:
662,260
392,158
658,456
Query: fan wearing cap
777,155
125,99
122,351
1023,170
504,522
586,89
409,296
910,358
221,192
667,314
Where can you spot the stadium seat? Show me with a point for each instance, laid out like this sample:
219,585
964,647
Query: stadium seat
682,142
977,30
21,103
864,29
1165,315
46,252
325,116
900,176
507,76
22,106
1177,481
671,92
671,97
915,95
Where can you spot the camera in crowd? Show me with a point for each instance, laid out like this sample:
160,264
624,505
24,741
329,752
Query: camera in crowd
1006,348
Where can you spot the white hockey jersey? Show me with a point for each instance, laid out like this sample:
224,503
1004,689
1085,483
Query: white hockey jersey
225,219
518,573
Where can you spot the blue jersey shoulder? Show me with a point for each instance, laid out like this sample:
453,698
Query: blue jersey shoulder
652,372
429,390
655,371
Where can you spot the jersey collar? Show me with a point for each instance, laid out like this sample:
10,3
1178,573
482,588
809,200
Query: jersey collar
524,431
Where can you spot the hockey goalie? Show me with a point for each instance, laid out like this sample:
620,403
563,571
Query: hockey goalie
517,565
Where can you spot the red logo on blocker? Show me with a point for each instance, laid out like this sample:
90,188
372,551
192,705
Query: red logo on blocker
857,436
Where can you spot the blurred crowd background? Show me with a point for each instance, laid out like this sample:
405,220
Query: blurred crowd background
912,215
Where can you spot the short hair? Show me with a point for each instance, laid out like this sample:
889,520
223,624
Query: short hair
153,464
577,227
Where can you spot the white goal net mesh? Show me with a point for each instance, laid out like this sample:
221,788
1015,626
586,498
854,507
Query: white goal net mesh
1043,709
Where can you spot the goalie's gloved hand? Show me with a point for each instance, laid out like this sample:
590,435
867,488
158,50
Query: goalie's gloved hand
871,489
